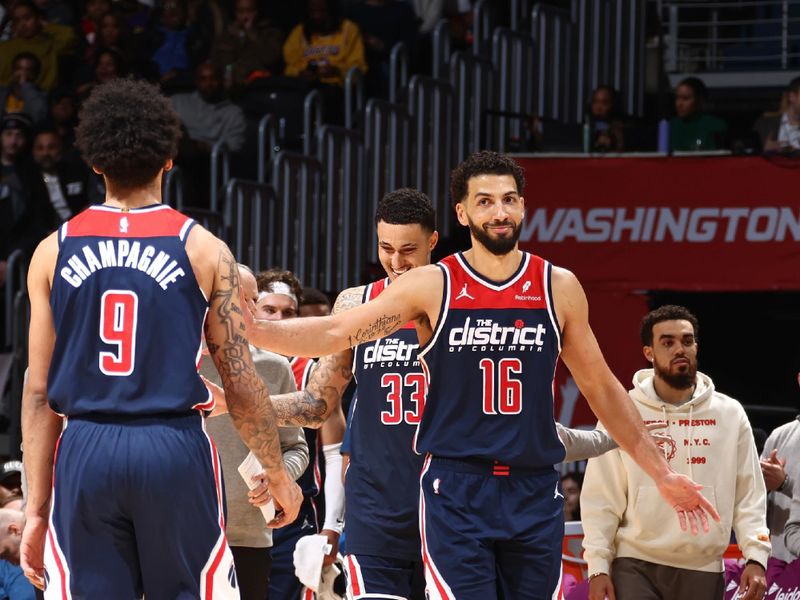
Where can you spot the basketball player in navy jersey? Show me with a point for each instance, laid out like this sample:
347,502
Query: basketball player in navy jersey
491,324
131,487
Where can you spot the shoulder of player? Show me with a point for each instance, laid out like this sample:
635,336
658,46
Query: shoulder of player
564,284
349,298
43,261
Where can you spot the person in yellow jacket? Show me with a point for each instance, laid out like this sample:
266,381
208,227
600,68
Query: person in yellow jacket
48,41
325,46
633,547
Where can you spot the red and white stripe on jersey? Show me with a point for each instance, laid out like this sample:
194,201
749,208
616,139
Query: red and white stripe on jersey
55,563
436,587
137,223
214,583
355,580
301,367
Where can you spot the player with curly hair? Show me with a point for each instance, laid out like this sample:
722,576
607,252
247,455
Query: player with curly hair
127,499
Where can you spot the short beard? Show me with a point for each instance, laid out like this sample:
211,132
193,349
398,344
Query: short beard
677,381
497,246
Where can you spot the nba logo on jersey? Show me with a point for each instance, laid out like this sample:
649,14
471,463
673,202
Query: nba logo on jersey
123,225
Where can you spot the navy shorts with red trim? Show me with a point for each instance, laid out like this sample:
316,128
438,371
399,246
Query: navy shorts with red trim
490,531
138,509
381,577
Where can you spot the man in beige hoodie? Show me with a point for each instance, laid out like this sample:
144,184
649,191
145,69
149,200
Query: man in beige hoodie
633,548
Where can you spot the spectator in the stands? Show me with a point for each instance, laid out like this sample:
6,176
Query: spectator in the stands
208,117
787,137
63,117
69,186
51,43
571,486
324,46
22,94
429,12
59,12
207,114
108,65
177,47
314,303
692,129
607,120
93,12
249,49
383,23
20,202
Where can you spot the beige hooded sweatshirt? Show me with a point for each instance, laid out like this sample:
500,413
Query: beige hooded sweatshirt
710,441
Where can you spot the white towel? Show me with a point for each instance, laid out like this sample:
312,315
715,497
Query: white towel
308,555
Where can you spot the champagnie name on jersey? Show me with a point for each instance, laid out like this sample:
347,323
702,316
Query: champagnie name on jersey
486,335
390,352
121,253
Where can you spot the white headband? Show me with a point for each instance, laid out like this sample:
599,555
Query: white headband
279,287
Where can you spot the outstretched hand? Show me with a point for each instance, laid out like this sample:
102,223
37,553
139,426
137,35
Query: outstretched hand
684,496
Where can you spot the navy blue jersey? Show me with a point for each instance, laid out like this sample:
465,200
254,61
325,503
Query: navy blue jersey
491,362
128,315
382,484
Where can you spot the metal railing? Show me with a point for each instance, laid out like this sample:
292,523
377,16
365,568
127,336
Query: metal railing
172,194
386,154
16,281
353,96
298,182
398,70
473,80
430,103
252,222
19,349
441,50
312,120
514,61
268,145
610,50
554,40
716,36
483,27
220,172
346,228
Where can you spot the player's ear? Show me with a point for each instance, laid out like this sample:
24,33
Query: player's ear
168,165
648,353
434,239
96,170
461,213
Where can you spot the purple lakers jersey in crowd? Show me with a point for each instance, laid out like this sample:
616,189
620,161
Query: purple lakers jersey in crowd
490,363
129,315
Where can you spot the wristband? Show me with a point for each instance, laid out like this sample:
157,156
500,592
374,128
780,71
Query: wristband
593,575
783,483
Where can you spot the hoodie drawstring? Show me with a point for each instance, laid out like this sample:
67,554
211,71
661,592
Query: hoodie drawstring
691,439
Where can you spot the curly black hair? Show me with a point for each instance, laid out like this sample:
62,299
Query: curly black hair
128,130
266,278
485,162
668,312
406,206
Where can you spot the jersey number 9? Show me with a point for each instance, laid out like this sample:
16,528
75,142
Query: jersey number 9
119,312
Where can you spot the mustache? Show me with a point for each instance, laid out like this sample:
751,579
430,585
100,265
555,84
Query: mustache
506,223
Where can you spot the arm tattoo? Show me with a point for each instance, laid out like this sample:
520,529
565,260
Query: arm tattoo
311,406
380,327
328,380
247,396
